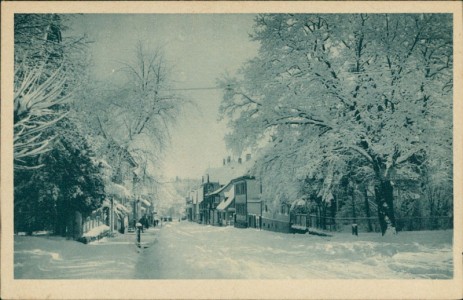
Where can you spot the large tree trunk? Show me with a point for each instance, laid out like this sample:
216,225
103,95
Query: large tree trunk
385,201
384,194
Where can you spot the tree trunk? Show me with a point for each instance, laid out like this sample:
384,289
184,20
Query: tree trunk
78,229
385,201
324,216
352,197
367,208
60,228
333,209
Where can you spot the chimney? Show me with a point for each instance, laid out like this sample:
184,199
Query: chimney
202,179
248,157
228,159
239,160
224,161
207,178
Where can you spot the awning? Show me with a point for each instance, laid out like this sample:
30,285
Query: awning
121,208
145,202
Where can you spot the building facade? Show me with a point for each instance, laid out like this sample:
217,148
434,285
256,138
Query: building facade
248,203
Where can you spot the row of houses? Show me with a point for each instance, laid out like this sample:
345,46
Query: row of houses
229,197
126,203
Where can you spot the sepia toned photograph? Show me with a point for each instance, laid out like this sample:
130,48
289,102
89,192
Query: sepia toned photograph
227,146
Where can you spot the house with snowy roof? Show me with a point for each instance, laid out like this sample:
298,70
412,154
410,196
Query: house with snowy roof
198,205
248,202
237,203
195,195
207,203
189,206
230,169
224,211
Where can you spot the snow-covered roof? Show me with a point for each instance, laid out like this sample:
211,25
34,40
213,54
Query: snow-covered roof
230,196
225,204
230,193
219,190
228,172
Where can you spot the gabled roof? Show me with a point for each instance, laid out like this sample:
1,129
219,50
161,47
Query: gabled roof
218,191
225,204
231,182
245,177
229,171
229,197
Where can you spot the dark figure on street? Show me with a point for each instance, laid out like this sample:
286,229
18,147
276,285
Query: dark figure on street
144,222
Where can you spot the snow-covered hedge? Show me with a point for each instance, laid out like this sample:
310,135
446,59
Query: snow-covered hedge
316,231
299,229
95,234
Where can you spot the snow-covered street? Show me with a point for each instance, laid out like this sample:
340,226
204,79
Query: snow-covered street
183,250
188,250
50,257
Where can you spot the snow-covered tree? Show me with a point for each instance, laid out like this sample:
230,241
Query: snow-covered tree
48,67
324,88
131,114
69,181
143,106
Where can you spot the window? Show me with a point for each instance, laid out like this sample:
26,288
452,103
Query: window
241,209
284,210
240,188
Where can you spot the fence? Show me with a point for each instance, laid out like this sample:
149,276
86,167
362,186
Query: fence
371,224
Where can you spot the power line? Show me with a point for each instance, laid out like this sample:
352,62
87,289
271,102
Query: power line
290,80
197,88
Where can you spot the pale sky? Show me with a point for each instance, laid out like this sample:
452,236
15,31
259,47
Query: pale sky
200,48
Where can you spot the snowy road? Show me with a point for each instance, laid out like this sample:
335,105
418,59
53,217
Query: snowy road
52,257
191,251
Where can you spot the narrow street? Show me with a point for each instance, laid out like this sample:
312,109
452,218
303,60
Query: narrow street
186,250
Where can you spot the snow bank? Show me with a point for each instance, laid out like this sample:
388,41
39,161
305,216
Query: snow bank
54,257
99,230
95,234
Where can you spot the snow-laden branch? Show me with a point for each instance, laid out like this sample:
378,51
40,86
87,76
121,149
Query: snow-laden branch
34,99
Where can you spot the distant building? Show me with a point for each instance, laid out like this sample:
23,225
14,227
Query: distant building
214,201
207,204
229,170
224,201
